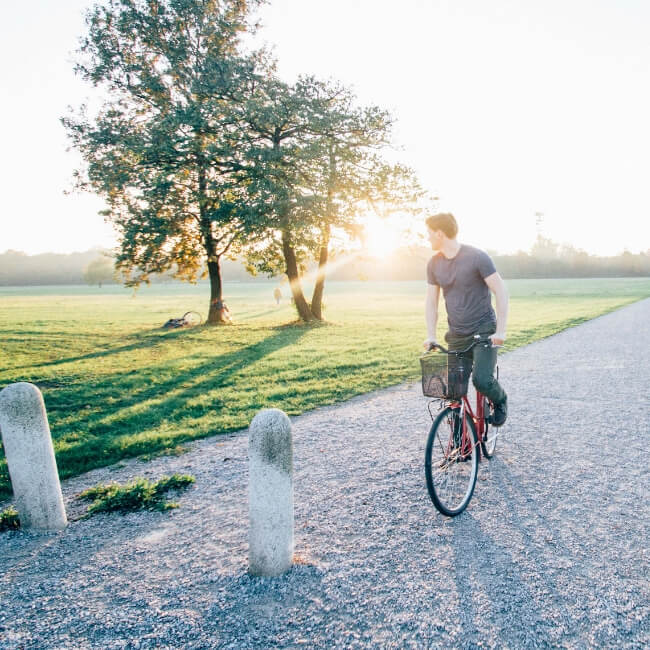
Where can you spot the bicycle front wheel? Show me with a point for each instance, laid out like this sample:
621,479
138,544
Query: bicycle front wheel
451,462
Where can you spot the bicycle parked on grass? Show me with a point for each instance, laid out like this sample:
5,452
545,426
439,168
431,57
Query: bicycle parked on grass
452,450
188,319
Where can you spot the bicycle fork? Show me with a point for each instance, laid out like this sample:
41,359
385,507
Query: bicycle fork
460,445
458,434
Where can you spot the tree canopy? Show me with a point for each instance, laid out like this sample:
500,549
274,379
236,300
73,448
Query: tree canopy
318,168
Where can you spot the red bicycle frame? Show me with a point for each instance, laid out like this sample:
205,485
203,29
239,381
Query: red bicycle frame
478,419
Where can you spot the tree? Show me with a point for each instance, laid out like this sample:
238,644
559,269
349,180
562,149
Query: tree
281,162
99,271
354,179
165,150
318,169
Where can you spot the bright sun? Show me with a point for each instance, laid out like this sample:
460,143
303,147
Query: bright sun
381,243
382,237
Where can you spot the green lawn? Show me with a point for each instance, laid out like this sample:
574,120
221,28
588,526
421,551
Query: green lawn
116,385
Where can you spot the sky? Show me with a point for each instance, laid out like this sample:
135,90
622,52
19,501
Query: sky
505,109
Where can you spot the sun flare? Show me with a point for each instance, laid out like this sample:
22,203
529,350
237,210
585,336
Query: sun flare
381,244
382,237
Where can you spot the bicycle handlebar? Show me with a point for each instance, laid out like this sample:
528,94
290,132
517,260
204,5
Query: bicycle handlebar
477,341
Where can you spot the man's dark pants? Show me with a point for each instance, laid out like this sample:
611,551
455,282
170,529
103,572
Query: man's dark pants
484,360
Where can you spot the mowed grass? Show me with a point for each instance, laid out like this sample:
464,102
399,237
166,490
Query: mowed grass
116,385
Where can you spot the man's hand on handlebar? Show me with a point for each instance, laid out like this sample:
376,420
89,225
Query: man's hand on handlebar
497,338
429,344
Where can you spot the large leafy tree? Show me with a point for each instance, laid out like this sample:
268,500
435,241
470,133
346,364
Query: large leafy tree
166,148
353,178
319,169
201,152
282,162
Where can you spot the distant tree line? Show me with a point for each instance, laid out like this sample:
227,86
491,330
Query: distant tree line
545,260
93,267
19,269
548,260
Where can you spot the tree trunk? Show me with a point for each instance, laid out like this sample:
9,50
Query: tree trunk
319,287
218,312
304,312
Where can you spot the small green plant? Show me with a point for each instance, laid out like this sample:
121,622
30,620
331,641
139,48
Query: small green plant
9,519
139,494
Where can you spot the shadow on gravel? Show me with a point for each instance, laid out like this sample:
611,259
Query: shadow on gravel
563,567
492,589
546,563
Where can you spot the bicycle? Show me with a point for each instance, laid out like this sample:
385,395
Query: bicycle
452,450
188,319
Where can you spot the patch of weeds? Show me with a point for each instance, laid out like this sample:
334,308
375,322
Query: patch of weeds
9,519
139,494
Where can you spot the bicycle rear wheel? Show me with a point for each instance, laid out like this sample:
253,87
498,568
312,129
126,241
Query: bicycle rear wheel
451,462
489,440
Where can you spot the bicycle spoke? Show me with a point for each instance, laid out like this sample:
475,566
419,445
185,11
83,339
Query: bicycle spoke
453,456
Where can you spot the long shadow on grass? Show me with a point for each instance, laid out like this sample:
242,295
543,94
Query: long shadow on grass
147,339
103,442
136,386
21,335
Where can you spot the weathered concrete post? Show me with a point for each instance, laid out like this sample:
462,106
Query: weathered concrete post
30,458
270,492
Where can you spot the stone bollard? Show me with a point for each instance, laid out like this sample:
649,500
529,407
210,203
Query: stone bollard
30,458
270,493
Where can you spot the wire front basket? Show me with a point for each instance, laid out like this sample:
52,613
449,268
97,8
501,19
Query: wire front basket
445,376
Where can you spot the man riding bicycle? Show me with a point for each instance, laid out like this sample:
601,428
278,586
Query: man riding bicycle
467,275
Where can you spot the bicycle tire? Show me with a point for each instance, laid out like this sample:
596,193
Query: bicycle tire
488,445
450,475
192,318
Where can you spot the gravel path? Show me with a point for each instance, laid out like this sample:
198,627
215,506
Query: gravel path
552,551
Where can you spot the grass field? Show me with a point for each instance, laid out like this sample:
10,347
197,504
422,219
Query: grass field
117,386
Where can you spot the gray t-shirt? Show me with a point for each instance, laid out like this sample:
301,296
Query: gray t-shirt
467,297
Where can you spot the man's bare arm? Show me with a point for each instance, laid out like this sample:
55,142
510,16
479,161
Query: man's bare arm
431,313
498,288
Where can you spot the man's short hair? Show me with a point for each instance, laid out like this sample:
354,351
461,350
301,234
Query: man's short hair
444,221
